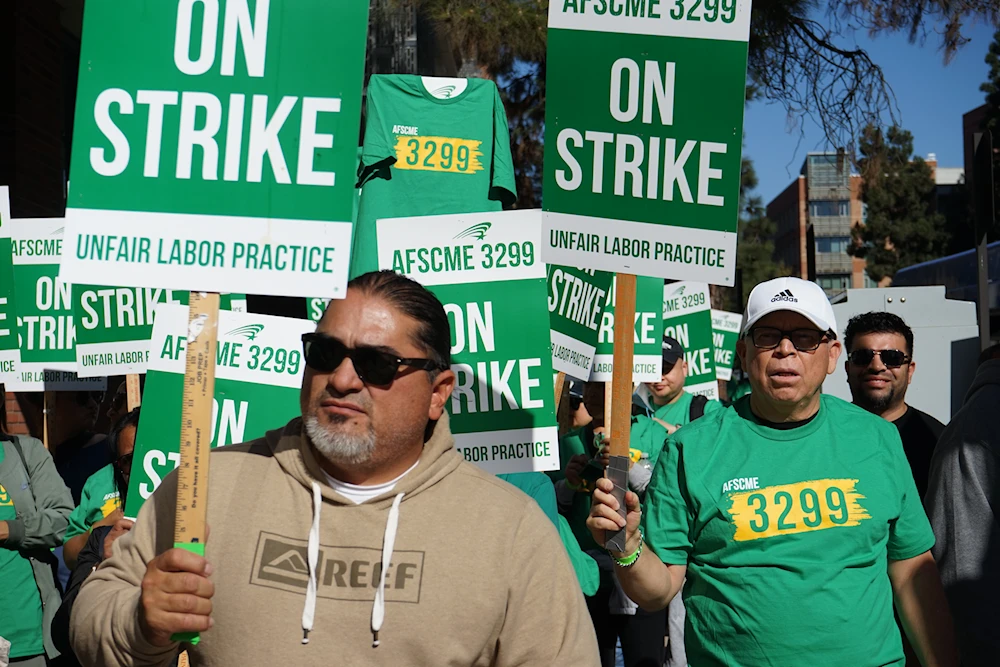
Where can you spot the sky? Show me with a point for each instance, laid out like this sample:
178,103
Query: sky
931,97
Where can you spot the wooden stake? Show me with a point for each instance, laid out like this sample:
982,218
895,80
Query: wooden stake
132,394
620,408
196,424
560,383
45,419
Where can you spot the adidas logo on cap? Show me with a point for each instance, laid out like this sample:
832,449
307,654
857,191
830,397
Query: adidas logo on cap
786,295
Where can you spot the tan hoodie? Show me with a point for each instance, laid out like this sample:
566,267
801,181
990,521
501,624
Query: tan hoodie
477,573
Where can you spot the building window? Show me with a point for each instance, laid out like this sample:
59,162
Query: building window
838,244
864,212
819,209
869,282
834,282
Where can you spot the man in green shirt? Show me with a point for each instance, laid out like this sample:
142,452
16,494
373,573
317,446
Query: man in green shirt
793,517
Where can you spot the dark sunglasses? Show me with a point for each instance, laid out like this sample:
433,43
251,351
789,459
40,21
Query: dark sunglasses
84,397
891,358
124,463
373,366
804,340
575,402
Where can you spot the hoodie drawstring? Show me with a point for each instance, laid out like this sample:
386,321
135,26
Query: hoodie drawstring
309,609
388,542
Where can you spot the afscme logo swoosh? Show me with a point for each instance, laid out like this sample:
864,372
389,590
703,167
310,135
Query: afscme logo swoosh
476,231
248,331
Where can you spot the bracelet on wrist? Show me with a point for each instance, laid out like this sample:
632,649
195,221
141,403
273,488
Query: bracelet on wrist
629,561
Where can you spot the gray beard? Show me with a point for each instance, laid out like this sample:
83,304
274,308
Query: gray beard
340,448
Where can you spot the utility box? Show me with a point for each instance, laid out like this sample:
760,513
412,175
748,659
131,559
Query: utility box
945,343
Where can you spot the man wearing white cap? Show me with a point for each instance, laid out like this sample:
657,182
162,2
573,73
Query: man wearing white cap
794,516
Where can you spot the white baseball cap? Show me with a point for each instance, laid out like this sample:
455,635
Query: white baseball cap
799,296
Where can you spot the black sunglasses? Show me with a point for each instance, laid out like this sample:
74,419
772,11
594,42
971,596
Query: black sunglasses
124,463
891,358
804,340
373,366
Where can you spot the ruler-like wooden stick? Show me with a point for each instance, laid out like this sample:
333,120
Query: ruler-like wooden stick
196,424
621,398
132,394
560,383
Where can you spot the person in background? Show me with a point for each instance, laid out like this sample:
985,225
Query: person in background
790,519
119,403
101,502
99,537
34,512
77,451
880,368
962,503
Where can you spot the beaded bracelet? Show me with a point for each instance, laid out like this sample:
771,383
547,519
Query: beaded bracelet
630,560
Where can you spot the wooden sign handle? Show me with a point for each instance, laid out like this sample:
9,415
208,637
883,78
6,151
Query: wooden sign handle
133,397
620,409
196,425
560,382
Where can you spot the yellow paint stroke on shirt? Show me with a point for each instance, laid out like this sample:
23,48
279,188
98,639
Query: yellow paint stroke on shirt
801,507
109,506
448,154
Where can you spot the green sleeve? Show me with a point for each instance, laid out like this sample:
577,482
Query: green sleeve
910,533
44,527
376,148
502,186
79,522
647,436
713,406
667,518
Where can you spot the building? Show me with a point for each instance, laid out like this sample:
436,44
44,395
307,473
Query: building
814,215
817,210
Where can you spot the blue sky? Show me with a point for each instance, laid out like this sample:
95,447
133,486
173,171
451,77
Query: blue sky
931,97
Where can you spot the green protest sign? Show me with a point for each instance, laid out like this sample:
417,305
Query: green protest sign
45,324
10,351
214,145
576,302
725,333
315,308
114,325
687,317
485,269
258,376
648,357
643,136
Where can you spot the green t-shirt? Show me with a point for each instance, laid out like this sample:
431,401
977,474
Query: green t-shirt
98,499
679,413
429,156
786,536
20,603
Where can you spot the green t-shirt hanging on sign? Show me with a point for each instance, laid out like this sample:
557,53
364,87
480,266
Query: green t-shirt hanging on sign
786,536
20,604
429,156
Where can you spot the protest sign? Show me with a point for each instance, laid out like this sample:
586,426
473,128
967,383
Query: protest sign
643,136
576,302
10,351
725,333
315,308
258,376
214,145
486,270
45,323
647,360
114,325
687,317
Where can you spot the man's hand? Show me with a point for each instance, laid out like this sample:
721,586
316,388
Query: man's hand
121,527
574,467
604,516
110,519
176,596
671,428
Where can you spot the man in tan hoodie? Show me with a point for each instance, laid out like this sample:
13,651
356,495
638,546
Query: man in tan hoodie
302,520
